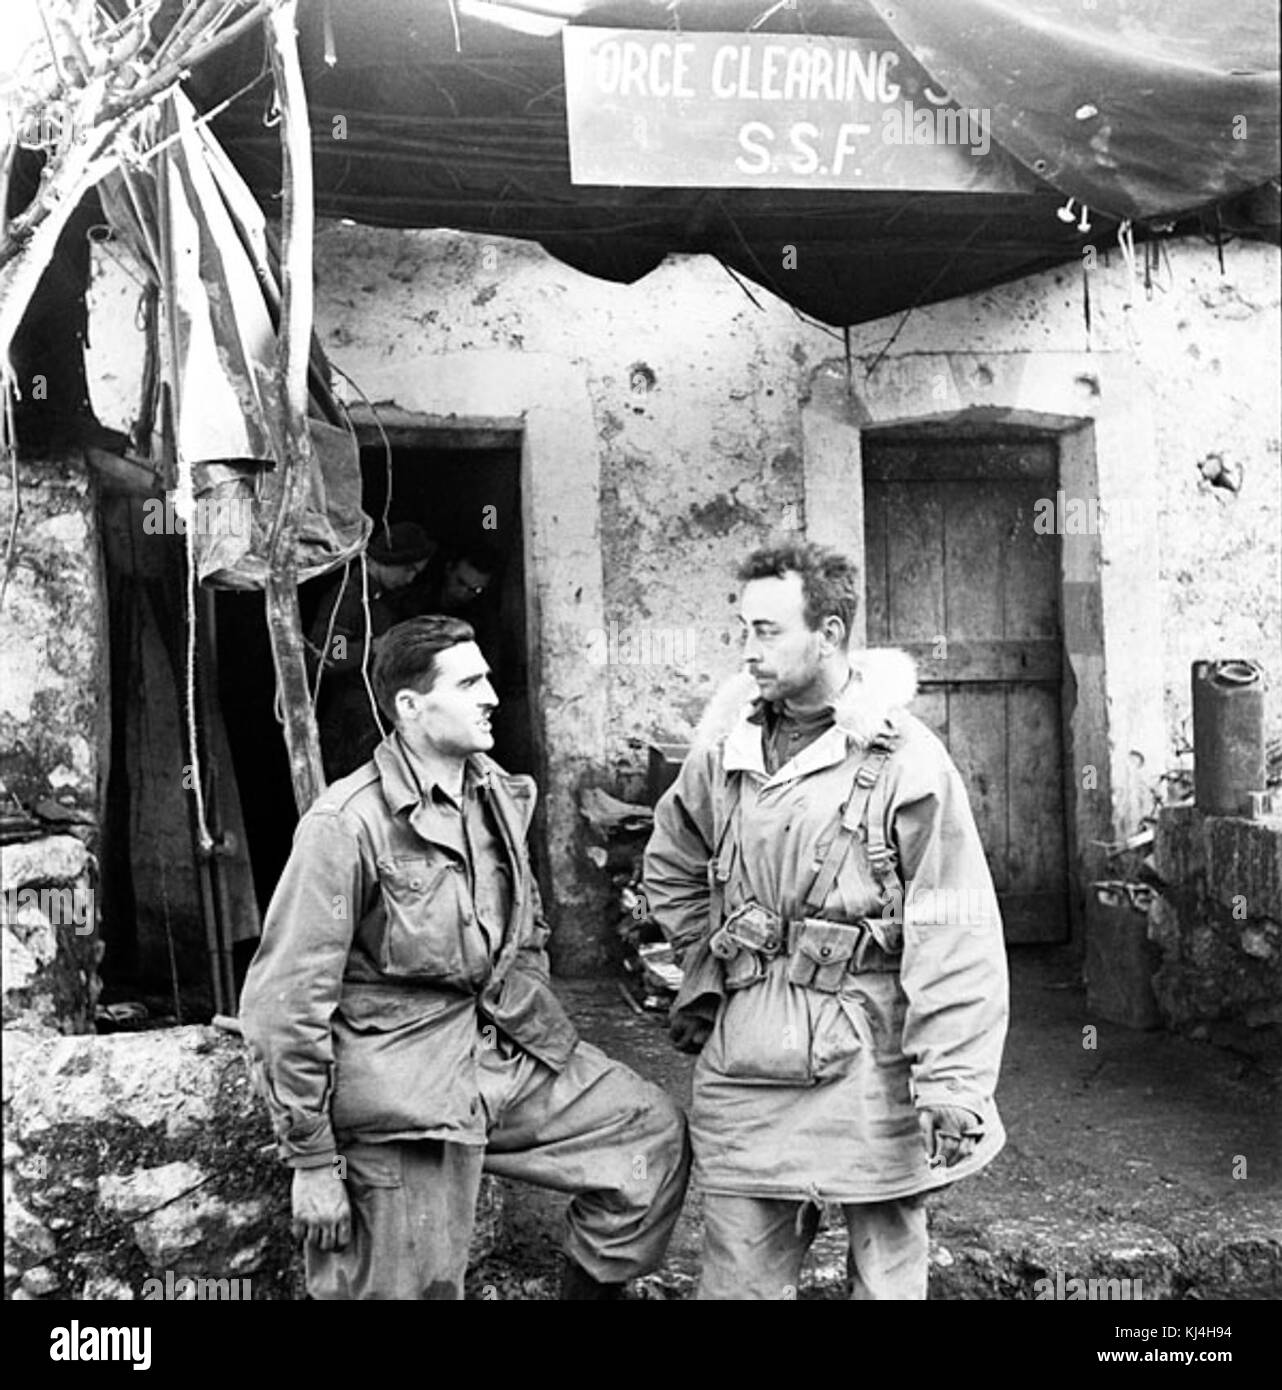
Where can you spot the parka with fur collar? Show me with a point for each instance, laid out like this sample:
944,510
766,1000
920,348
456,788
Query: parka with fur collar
802,1093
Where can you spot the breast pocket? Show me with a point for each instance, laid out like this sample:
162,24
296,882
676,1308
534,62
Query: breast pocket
423,907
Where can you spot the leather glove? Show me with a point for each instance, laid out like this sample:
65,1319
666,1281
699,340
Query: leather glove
951,1133
688,1031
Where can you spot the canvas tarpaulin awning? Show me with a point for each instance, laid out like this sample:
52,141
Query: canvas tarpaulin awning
1139,110
198,232
1130,106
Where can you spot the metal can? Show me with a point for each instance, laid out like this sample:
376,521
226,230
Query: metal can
1228,735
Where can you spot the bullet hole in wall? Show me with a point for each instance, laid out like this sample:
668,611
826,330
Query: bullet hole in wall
1220,473
641,380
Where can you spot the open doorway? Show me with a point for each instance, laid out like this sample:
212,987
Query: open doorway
463,488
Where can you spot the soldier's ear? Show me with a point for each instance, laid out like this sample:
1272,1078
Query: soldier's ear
405,704
833,631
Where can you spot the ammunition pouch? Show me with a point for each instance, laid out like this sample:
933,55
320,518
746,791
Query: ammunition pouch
748,937
823,953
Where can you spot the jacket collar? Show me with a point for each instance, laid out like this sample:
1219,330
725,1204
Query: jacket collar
882,682
402,787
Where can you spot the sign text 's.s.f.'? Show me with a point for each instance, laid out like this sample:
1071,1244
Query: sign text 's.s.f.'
660,109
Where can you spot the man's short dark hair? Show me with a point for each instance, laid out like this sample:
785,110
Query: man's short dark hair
478,553
829,580
407,655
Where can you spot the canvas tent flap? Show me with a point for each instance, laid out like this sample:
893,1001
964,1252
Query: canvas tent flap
235,503
202,238
413,128
1139,110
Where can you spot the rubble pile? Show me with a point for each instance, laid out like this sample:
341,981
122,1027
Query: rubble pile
620,830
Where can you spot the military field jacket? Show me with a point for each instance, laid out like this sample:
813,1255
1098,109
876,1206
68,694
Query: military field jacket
367,999
810,1081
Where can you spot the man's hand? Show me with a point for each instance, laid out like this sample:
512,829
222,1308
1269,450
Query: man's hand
950,1133
688,1031
322,1213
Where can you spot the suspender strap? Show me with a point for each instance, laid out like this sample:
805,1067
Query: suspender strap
722,853
867,778
881,856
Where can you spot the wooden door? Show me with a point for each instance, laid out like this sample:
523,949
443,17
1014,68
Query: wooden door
957,577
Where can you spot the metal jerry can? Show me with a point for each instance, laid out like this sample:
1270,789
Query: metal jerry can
1228,735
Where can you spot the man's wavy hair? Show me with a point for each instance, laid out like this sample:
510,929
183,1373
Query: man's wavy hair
829,580
407,655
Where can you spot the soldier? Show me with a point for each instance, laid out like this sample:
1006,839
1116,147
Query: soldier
403,1027
817,864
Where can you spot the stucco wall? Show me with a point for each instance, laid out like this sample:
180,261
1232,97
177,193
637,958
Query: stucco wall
694,395
695,399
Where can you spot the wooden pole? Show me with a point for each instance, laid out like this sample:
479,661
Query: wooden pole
295,336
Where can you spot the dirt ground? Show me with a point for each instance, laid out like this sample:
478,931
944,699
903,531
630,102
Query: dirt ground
1146,1154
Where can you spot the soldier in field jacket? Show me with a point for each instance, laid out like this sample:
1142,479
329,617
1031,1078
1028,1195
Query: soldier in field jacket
404,1030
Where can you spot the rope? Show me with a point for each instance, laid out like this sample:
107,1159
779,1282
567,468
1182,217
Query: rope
368,646
387,444
329,636
9,450
185,507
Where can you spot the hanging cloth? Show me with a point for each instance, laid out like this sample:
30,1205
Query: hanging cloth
201,237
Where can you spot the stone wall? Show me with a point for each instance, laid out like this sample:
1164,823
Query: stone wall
54,707
127,1156
1218,923
51,941
147,1157
53,698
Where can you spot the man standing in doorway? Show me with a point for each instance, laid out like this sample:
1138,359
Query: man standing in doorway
817,865
404,1030
458,578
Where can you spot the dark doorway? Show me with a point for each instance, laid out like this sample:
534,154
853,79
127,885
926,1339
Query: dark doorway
958,578
462,492
247,694
464,489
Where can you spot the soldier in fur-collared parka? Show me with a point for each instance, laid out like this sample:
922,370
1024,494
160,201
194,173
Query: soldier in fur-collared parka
817,867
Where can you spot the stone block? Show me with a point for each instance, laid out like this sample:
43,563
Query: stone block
1218,922
1179,852
49,929
40,1281
135,1194
1244,864
205,1233
131,1156
54,859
